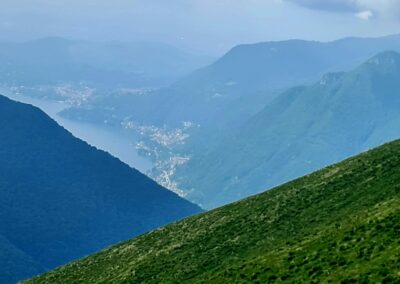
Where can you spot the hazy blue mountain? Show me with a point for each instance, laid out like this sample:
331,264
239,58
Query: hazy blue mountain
61,199
239,84
58,60
304,129
250,74
222,97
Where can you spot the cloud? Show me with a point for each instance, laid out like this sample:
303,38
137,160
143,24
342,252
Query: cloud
364,15
328,5
382,8
209,26
362,9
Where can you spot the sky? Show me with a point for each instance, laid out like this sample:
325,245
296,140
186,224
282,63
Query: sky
202,26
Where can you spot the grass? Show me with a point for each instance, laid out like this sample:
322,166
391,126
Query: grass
338,225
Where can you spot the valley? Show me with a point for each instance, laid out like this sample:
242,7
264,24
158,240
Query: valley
201,157
200,141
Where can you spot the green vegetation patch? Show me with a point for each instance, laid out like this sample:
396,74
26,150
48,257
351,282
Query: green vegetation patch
338,225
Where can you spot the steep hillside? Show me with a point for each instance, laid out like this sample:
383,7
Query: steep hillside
338,225
61,199
303,130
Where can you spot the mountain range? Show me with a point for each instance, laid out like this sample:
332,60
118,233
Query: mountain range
260,116
337,225
302,130
62,199
224,94
103,65
244,135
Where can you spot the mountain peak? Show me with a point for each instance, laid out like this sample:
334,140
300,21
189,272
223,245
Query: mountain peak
331,77
387,58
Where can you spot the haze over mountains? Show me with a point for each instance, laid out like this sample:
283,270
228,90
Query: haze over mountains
103,65
199,141
222,127
241,82
62,199
223,133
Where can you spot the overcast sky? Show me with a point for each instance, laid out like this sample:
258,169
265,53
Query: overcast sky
208,26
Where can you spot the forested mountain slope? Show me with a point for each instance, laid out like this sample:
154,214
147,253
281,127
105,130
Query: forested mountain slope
61,199
304,129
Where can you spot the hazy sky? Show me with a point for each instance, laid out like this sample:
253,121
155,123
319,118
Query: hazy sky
209,26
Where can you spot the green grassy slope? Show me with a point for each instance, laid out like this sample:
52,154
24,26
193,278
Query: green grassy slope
339,224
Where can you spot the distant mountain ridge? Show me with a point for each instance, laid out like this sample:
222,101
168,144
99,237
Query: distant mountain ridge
62,199
221,98
105,65
257,70
250,75
337,225
303,129
239,84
